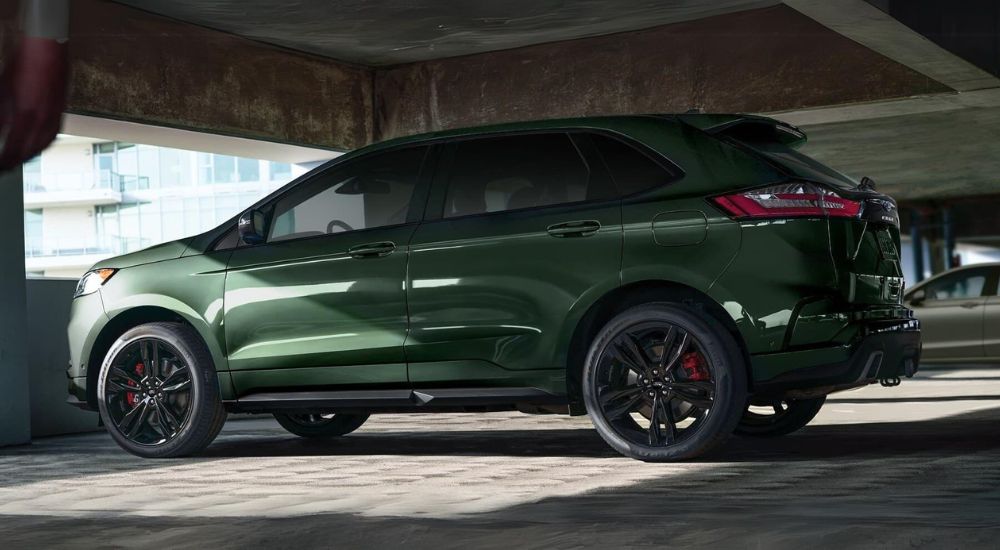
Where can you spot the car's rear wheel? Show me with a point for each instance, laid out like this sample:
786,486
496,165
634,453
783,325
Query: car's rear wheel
320,425
771,418
158,392
664,382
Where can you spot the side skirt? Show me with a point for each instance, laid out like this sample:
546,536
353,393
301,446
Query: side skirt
419,400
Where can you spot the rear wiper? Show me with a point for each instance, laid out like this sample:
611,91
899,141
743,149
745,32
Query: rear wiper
867,184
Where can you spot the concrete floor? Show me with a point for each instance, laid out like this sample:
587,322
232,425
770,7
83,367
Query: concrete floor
915,466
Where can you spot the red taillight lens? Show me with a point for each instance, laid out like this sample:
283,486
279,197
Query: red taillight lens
794,200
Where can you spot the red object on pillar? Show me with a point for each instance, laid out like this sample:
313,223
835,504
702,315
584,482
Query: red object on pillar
33,88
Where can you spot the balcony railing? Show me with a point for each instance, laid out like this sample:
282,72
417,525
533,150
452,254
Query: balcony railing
68,246
86,181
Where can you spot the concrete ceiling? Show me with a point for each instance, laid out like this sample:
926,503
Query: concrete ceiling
389,32
948,153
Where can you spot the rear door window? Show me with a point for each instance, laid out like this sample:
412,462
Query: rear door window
498,174
632,170
962,285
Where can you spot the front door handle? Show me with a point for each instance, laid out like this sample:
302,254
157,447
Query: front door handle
372,250
581,228
970,305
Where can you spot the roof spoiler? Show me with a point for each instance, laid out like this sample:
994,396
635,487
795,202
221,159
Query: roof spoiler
747,128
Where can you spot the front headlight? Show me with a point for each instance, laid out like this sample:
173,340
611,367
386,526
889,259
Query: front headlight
92,280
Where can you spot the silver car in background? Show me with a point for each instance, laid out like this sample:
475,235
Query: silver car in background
959,312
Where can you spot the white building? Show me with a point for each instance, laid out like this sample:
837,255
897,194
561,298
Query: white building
87,199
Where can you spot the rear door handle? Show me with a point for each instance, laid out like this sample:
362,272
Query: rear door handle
581,228
970,305
372,250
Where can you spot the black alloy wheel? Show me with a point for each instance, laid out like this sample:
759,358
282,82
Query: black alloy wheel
776,417
661,383
320,424
158,391
148,392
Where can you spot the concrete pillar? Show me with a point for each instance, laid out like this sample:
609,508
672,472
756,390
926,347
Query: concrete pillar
948,236
916,238
15,413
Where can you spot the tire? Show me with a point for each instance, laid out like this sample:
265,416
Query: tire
715,380
793,416
316,425
183,413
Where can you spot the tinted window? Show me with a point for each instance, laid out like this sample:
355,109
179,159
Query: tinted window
231,240
372,192
964,284
631,169
513,172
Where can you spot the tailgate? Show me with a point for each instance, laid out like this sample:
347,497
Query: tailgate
864,250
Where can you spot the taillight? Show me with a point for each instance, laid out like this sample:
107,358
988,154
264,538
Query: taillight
789,200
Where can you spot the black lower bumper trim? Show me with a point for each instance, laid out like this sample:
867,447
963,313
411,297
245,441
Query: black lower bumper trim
884,351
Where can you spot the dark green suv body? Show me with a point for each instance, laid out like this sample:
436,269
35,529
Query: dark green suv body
666,274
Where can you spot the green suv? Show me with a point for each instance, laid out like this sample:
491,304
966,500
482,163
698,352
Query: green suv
677,278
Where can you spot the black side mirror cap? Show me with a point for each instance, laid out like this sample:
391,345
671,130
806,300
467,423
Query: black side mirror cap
251,227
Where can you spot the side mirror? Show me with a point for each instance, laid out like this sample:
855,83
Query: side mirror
918,297
251,227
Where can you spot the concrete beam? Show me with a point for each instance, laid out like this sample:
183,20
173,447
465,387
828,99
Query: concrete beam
929,148
758,60
15,416
873,28
131,132
131,65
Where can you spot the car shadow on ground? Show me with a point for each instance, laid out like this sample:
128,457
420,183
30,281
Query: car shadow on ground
963,433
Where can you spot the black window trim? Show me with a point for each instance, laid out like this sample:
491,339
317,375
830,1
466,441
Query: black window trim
440,154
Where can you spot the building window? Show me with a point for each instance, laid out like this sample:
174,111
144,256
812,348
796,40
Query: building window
33,232
165,194
248,169
33,174
281,171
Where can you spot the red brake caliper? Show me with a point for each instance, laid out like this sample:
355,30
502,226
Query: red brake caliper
132,398
694,366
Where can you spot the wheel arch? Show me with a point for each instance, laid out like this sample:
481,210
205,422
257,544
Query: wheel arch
621,298
126,320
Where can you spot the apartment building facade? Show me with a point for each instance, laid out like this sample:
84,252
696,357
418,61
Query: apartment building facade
86,199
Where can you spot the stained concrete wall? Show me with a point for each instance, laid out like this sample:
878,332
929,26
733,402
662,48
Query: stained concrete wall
132,65
760,60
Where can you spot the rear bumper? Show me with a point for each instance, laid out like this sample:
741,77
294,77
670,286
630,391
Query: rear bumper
883,350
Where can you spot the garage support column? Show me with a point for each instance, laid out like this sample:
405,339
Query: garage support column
916,238
948,235
15,417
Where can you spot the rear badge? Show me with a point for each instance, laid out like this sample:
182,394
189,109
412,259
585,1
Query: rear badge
886,245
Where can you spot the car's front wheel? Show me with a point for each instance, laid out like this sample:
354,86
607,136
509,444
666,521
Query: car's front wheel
778,417
158,392
664,382
320,425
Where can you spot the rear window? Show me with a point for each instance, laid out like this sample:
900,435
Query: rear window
764,139
632,170
802,165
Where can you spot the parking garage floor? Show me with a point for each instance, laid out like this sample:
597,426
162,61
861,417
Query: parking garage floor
915,466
